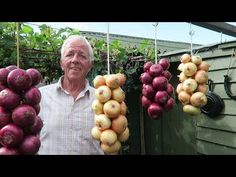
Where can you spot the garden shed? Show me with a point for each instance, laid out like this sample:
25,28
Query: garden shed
179,133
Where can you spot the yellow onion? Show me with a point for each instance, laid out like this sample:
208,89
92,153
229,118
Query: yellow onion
196,59
103,93
123,108
108,137
184,97
185,58
189,69
201,77
202,88
204,66
102,121
96,133
180,67
182,77
179,88
98,81
124,136
198,99
97,107
192,110
118,94
112,148
190,85
112,109
119,124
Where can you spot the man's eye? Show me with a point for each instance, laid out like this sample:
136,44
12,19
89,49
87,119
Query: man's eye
69,55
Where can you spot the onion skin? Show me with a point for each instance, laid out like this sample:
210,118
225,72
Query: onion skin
201,77
30,145
198,99
112,148
124,136
96,133
196,59
189,69
185,58
190,85
119,124
192,110
184,97
204,66
108,137
202,88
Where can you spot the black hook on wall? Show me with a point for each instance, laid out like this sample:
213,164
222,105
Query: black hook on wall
227,87
227,78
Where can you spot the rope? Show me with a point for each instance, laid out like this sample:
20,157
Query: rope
155,42
191,33
17,45
108,62
232,56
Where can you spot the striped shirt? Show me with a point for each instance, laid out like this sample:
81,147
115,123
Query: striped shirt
67,123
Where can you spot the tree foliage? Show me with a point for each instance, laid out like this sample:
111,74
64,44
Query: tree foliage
41,50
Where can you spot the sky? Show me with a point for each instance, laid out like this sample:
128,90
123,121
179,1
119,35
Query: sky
170,31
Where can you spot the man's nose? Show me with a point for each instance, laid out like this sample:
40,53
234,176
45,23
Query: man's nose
75,59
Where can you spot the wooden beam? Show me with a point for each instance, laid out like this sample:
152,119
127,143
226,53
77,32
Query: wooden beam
223,27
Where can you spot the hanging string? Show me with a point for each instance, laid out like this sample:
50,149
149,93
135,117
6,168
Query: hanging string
191,33
17,45
108,62
233,55
155,42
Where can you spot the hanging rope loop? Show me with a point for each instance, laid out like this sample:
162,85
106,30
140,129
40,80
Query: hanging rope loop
108,61
155,25
17,45
191,33
233,55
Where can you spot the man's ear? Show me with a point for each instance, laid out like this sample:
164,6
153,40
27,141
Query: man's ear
61,64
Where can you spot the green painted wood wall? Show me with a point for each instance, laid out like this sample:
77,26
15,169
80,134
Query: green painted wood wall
179,133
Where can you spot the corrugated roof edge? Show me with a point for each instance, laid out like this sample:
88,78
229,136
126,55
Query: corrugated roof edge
200,48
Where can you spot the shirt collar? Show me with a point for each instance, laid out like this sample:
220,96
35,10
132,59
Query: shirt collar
87,88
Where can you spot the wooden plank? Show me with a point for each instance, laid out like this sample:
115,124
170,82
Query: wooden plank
153,136
218,76
220,90
230,107
222,122
207,148
221,63
142,137
179,131
217,137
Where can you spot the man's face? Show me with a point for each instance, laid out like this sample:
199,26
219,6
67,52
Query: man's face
76,63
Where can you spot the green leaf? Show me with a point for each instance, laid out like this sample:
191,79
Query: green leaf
27,29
